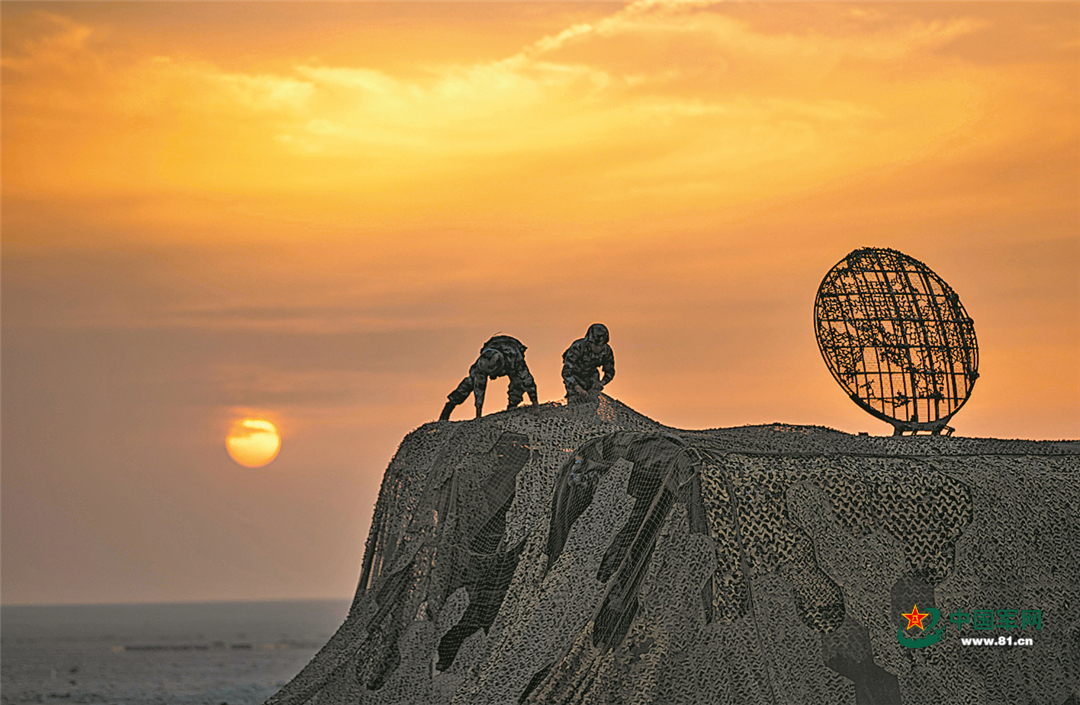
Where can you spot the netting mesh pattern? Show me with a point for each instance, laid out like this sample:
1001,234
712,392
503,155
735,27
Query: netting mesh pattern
586,554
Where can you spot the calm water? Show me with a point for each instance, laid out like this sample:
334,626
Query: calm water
237,653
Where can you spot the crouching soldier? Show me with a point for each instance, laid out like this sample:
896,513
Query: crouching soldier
580,363
500,356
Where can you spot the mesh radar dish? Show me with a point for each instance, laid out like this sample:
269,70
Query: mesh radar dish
897,339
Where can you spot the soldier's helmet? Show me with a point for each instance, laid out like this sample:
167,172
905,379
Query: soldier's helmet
598,334
490,361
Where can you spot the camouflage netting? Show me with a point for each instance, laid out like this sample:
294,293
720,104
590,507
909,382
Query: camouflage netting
587,554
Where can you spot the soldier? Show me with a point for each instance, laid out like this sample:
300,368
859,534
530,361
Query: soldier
580,363
502,355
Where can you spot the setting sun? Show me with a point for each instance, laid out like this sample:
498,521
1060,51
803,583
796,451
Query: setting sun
253,442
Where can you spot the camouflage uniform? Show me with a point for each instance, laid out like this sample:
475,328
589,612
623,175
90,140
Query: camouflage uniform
511,364
580,364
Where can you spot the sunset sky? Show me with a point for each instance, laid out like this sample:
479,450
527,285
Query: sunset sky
315,213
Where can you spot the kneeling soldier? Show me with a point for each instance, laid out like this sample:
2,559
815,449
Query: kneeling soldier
502,355
580,363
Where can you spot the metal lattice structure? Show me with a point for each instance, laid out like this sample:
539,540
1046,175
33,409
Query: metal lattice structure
897,339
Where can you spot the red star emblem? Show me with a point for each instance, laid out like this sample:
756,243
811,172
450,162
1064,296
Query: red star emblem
915,618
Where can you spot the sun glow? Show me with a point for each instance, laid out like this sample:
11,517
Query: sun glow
253,442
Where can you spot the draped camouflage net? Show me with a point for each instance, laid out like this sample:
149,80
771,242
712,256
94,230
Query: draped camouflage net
586,554
897,339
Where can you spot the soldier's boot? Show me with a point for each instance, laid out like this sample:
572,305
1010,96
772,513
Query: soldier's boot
445,415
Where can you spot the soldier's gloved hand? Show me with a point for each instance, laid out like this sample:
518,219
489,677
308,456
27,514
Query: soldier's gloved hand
580,390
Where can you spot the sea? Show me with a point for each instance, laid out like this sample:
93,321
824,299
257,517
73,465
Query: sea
219,653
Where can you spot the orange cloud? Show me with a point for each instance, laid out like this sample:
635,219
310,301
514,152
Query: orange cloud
711,111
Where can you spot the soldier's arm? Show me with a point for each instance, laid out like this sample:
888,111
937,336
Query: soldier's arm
528,382
570,360
479,388
608,365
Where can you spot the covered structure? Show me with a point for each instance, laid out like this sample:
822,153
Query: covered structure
586,554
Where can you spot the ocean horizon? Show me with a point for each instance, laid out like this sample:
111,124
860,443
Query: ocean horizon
182,653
